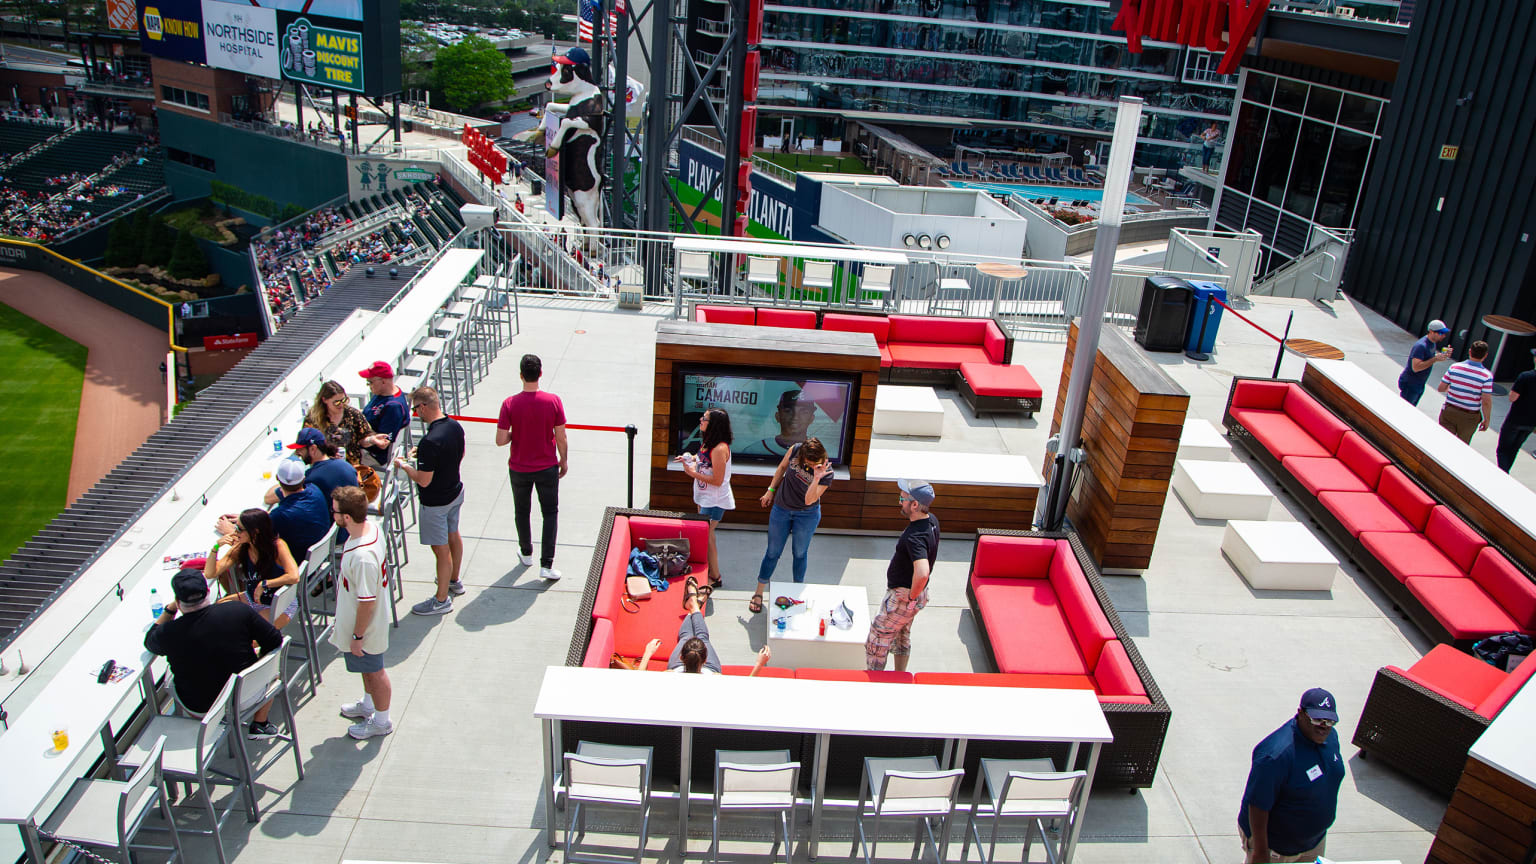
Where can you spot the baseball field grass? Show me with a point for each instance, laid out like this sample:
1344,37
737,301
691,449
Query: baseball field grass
45,372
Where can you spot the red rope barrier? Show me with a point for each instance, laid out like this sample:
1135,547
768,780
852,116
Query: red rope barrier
467,419
1245,318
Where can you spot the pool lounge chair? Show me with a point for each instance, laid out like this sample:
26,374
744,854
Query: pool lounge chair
1076,175
1030,175
1054,174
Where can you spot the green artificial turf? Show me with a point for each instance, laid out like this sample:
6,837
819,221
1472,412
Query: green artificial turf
44,373
812,162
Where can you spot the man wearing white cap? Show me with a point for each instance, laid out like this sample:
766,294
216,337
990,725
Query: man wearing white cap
1421,358
906,579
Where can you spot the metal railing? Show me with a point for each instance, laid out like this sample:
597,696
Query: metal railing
297,136
698,136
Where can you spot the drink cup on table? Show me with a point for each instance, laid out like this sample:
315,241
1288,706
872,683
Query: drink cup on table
60,735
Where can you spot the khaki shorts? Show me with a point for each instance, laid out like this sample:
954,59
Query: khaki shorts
1309,855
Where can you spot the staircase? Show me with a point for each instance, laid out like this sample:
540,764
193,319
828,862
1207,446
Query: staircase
1313,275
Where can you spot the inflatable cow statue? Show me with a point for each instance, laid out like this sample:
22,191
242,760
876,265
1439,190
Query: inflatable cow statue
579,105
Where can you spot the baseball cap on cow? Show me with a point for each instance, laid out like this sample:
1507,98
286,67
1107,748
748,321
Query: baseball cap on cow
379,369
575,57
1319,704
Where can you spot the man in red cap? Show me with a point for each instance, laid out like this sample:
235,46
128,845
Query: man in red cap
387,411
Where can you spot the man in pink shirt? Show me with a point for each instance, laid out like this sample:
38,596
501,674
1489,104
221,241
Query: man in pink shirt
533,423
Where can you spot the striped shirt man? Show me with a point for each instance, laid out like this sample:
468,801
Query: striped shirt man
1467,381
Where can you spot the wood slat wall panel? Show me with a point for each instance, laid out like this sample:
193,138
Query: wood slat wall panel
1131,426
1488,820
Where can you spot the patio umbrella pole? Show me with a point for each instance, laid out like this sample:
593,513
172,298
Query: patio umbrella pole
1117,177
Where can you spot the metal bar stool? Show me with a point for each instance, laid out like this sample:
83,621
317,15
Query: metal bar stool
259,683
755,781
1028,789
606,775
109,814
906,788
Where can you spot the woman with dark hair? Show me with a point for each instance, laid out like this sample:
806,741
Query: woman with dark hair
795,493
693,653
711,473
257,564
344,425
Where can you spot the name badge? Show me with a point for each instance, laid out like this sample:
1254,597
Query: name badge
1314,772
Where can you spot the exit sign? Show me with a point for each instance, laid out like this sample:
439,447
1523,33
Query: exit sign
1449,151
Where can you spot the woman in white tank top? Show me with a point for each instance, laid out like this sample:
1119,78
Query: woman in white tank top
711,473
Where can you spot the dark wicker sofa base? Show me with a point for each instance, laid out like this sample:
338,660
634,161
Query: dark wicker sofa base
1417,731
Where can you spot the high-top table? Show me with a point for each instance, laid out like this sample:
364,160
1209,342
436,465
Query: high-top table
1508,327
819,708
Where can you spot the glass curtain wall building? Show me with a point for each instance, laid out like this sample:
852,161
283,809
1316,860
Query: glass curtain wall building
1043,74
1297,160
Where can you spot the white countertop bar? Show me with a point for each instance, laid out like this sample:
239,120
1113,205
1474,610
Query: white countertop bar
943,467
1506,745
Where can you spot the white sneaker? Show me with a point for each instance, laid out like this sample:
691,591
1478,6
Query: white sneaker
355,710
369,729
525,560
549,574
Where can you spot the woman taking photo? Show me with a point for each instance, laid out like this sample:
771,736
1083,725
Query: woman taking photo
257,564
344,425
795,493
711,473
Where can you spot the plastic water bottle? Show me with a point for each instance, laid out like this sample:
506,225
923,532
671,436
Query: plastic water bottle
155,606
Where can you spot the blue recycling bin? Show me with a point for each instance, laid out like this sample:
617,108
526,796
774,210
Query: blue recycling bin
1204,293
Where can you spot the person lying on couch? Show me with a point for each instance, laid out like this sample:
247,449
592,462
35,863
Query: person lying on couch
693,653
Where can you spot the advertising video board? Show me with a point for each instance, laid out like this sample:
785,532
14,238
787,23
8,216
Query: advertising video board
172,29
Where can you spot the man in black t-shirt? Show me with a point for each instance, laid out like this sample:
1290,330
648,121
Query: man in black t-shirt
906,579
1520,420
441,493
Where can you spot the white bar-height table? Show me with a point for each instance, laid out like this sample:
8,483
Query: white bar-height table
946,467
820,708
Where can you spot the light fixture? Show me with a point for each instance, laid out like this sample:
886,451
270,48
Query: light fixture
369,272
394,272
943,241
925,241
909,240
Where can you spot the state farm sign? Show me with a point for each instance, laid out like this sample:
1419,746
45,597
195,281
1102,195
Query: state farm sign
1196,23
228,341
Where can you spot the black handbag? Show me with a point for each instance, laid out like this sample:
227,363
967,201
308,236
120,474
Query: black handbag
671,554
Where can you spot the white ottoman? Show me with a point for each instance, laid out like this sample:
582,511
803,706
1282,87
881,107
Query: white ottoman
1221,490
1202,440
1279,555
908,411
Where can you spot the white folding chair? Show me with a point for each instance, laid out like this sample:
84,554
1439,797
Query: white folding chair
606,775
764,272
756,781
877,279
696,267
108,814
818,274
190,745
907,788
1028,789
259,683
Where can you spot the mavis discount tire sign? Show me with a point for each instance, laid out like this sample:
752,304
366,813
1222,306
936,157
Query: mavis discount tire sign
315,53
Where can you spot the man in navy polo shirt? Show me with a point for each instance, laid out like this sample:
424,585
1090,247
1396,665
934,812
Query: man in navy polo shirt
387,410
1293,787
302,516
1421,358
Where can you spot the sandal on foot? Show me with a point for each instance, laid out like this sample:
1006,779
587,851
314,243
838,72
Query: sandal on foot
755,605
716,581
690,591
703,592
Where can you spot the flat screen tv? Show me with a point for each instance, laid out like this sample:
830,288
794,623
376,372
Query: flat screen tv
771,410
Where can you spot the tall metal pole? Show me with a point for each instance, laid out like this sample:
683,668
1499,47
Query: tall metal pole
1117,177
618,149
735,99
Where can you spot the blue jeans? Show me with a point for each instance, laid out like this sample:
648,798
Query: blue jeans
1410,389
782,522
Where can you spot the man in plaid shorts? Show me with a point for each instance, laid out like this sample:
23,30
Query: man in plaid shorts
906,579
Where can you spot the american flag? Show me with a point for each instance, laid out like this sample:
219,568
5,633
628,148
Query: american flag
586,13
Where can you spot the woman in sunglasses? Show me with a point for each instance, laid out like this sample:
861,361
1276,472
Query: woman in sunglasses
344,425
257,565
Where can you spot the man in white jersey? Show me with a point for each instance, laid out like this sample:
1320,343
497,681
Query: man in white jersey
361,633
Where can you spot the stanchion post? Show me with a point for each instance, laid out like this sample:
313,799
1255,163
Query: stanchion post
630,432
1280,355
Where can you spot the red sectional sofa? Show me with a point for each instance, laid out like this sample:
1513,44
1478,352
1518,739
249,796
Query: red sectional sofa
972,354
1422,720
1451,581
1036,597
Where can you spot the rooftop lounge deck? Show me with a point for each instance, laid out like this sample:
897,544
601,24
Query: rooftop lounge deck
458,781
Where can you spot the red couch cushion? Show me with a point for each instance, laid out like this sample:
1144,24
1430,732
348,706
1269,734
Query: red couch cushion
1513,591
1506,690
1363,459
600,645
1405,496
799,319
990,379
1279,434
1090,627
725,314
765,672
922,355
1453,537
1324,474
658,617
1407,556
1319,422
643,528
1264,395
1360,512
1465,609
1022,557
877,676
939,331
610,585
1114,674
1026,627
1003,679
877,325
996,344
1459,677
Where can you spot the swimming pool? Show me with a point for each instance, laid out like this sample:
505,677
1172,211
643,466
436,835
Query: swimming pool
1065,193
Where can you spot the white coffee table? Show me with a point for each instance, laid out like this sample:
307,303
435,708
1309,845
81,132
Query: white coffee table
800,643
1221,490
908,411
1202,440
1279,555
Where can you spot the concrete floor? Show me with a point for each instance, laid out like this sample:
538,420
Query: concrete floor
458,780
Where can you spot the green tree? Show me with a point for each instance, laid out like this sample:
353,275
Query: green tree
155,242
472,73
187,261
